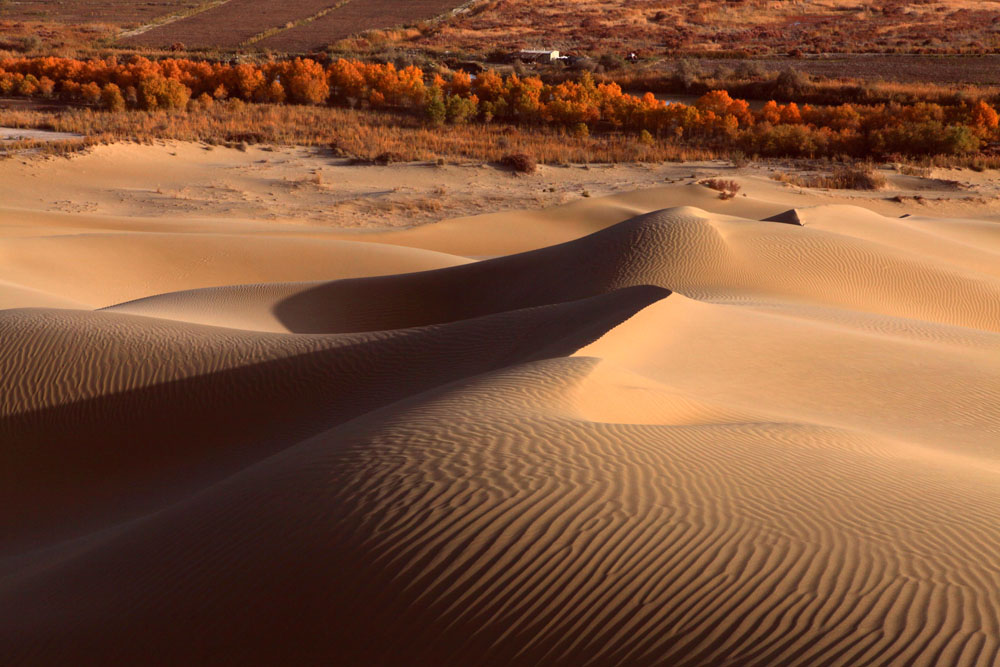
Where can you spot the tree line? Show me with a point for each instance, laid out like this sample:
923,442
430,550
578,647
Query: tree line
581,105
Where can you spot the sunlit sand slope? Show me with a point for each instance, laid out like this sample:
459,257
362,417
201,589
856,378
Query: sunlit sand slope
685,439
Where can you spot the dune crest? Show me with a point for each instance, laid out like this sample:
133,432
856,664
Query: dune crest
683,439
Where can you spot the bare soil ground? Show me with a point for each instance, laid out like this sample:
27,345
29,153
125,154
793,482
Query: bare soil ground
309,187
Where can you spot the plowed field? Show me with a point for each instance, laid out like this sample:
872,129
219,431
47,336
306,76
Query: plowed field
353,17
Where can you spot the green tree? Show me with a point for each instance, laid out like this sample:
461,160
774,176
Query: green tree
434,108
460,110
960,140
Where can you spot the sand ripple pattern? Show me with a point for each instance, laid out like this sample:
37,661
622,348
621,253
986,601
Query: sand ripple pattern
687,439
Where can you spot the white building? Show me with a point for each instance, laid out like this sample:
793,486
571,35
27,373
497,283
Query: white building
538,56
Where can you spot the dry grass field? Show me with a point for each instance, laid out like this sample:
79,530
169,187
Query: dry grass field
954,70
360,134
748,27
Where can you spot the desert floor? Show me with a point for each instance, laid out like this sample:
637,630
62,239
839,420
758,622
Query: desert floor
265,407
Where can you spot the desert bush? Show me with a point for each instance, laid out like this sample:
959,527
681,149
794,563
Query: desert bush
610,61
687,74
749,69
30,43
388,157
857,178
521,163
843,178
727,189
739,159
791,83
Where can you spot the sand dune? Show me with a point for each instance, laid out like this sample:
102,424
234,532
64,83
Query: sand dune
698,254
88,268
685,438
78,420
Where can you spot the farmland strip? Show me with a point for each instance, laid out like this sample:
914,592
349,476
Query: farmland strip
110,12
170,18
275,31
354,17
230,24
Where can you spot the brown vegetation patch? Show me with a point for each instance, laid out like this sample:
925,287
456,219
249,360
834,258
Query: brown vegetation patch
727,189
843,178
355,133
388,157
522,163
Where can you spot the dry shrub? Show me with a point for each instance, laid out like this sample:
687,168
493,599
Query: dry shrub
388,157
247,137
857,178
912,170
726,189
843,178
522,163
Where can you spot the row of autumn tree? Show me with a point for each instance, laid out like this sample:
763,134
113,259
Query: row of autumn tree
582,104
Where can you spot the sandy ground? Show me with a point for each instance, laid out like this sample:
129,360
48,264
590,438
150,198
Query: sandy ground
243,423
308,187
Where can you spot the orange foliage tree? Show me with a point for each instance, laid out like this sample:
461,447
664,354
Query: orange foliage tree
580,105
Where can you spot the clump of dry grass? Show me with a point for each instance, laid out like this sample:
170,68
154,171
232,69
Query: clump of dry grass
522,163
912,170
727,189
61,148
389,157
843,178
